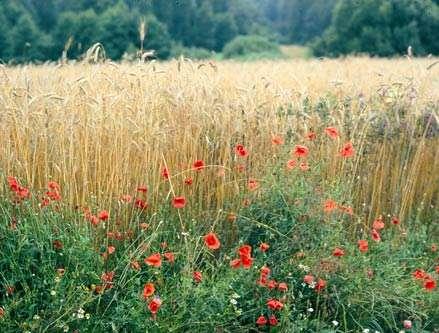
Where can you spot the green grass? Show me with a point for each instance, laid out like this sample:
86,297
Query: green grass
373,290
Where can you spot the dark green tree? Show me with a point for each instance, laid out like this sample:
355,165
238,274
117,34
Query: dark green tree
157,37
80,30
381,27
27,41
118,28
224,30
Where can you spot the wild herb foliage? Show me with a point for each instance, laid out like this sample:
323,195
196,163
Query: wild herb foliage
287,259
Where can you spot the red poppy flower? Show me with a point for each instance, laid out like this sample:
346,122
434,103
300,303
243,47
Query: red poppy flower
111,249
265,271
419,274
241,151
169,256
179,202
94,220
235,263
212,241
273,320
320,285
311,136
57,244
395,220
142,189
338,252
301,151
378,224
282,287
44,202
53,195
188,181
246,262
126,198
332,132
20,192
103,215
154,260
271,284
165,173
53,185
376,235
23,193
261,321
197,276
198,165
246,202
154,306
363,245
99,289
264,247
262,281
304,166
148,290
347,150
13,183
291,164
252,184
429,284
274,304
245,251
140,204
346,209
277,140
107,277
433,247
329,205
308,279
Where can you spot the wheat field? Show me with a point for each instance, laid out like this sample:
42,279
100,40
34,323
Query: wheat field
100,130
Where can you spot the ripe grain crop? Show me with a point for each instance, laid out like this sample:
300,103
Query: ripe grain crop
100,130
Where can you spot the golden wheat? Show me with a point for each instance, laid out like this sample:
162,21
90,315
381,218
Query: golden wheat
102,129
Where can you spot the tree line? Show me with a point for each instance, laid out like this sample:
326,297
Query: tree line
40,30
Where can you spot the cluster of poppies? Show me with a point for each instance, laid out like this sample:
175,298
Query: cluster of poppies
19,191
52,194
244,258
426,279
